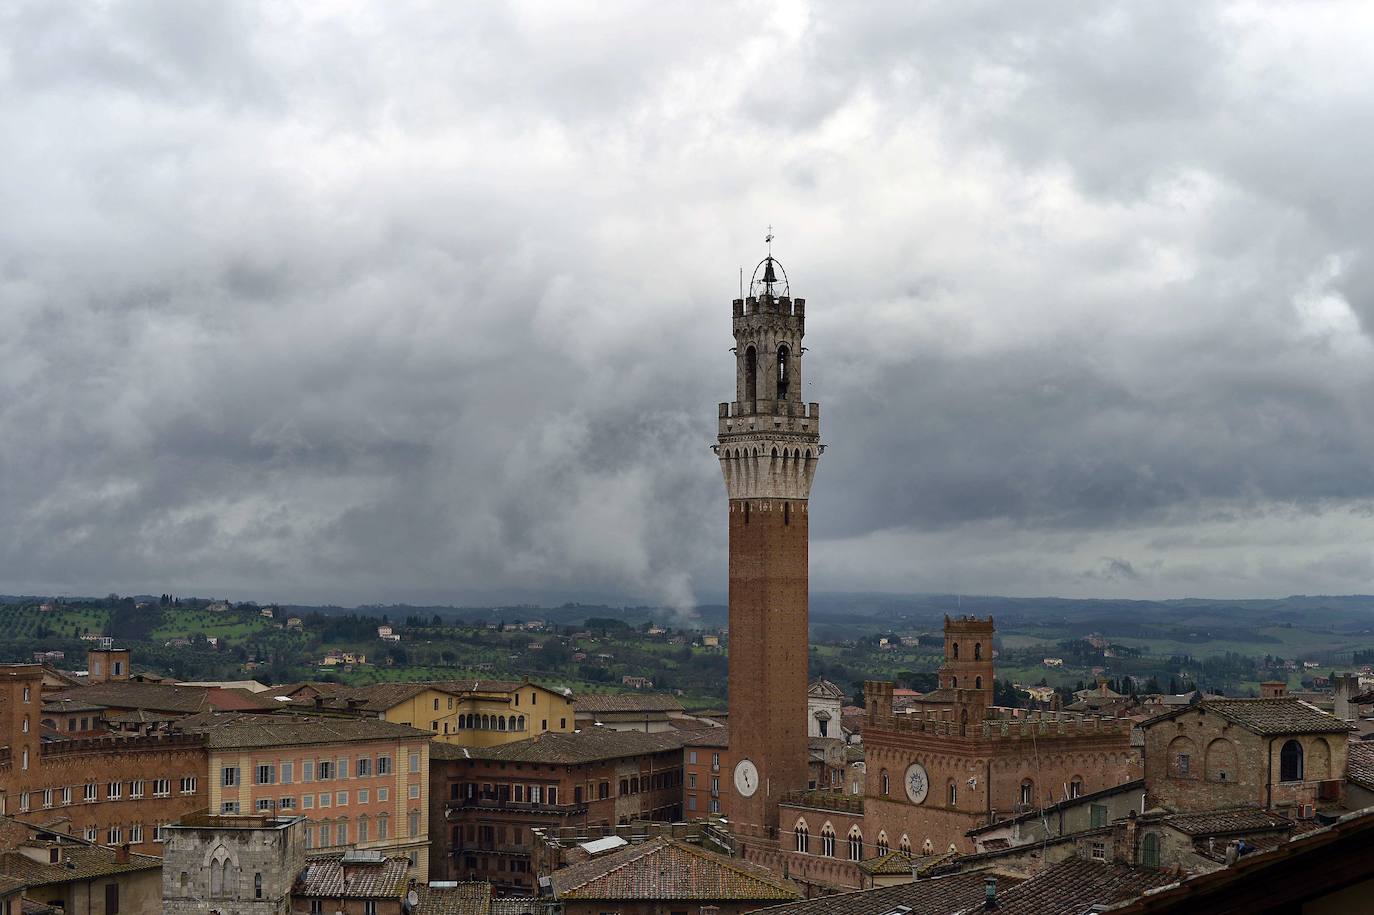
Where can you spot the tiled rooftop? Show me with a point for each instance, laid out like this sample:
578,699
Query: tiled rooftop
667,869
328,876
226,730
158,697
1232,820
1076,885
937,896
1360,763
598,703
1283,715
87,863
463,899
585,746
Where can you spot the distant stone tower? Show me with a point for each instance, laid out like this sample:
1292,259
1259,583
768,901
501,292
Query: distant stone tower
768,447
968,654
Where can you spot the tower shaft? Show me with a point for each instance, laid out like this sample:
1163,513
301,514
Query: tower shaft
768,445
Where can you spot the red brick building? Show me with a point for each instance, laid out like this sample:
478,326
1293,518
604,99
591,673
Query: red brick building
109,789
486,800
768,446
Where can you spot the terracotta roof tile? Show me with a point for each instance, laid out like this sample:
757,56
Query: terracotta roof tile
87,863
243,730
581,747
327,875
1282,715
596,703
667,869
1075,885
1226,821
463,899
936,896
1360,763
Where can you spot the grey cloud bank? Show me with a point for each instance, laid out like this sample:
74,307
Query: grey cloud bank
429,302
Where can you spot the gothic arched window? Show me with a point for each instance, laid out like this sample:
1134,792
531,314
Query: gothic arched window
803,836
977,651
783,378
751,375
1149,850
828,841
1290,762
856,844
882,843
977,682
956,651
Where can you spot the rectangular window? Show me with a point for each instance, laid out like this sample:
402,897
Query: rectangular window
362,830
287,803
160,832
364,767
535,794
382,827
229,777
691,802
229,807
383,794
136,788
414,824
288,773
88,793
692,780
341,799
264,804
414,792
414,763
1184,763
370,907
188,784
692,757
363,796
308,770
326,835
112,899
1098,815
316,905
326,798
343,767
1099,851
308,801
383,765
266,775
553,794
326,770
114,791
310,843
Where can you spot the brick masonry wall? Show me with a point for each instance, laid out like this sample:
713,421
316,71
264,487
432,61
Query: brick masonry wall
1229,765
768,652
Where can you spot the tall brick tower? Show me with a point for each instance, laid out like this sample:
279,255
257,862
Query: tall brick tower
968,654
768,447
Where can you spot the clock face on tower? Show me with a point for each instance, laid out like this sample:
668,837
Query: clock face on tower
746,778
917,783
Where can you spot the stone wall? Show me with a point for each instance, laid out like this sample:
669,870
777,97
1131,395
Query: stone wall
263,858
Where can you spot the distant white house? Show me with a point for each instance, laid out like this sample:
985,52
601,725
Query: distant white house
386,634
1054,662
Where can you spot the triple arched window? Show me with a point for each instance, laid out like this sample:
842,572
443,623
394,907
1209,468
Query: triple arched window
803,837
856,844
828,841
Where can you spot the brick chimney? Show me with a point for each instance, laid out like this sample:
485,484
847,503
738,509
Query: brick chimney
1273,689
122,854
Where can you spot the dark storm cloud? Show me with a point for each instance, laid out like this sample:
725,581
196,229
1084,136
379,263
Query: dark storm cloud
419,302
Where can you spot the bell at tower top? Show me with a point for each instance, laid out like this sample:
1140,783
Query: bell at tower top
767,282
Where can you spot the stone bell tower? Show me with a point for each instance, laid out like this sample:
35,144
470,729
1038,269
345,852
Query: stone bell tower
768,447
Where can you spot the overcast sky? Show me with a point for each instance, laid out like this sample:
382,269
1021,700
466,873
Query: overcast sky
430,302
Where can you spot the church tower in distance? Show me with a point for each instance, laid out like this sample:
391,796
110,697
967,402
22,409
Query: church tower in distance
768,446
